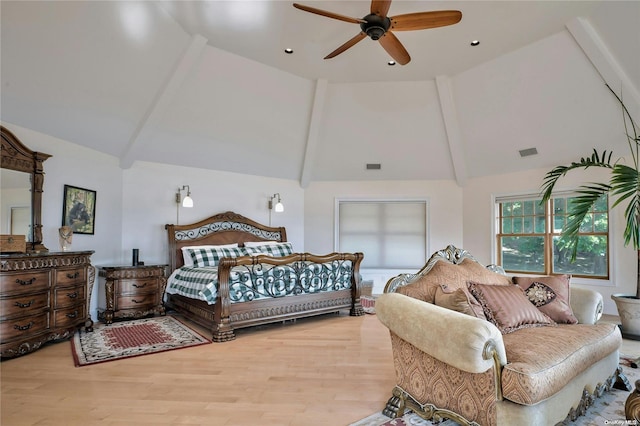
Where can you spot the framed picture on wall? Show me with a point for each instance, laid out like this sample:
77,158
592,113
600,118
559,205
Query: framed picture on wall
79,209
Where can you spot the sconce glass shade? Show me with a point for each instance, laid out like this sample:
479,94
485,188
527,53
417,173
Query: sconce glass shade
186,201
278,207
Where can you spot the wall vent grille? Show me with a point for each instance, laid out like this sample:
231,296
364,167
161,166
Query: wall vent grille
528,152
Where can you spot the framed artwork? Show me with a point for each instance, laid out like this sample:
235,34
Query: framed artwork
79,209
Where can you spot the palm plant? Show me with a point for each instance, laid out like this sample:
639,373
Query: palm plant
623,185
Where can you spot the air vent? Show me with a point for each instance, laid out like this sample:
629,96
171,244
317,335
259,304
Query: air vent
374,166
527,152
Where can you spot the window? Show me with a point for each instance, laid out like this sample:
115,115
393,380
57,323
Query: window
528,237
391,234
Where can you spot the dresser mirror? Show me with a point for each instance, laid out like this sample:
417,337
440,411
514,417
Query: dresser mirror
22,180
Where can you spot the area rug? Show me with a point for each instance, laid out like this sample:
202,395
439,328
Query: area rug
132,338
609,409
368,304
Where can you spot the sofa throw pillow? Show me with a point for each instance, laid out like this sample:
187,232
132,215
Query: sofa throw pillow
212,256
457,300
507,307
550,294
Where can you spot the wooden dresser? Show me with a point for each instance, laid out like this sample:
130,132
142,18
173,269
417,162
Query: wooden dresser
131,291
43,297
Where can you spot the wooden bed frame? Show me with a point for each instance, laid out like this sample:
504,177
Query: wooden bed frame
224,317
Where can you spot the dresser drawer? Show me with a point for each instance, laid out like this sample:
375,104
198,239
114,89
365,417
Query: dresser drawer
138,301
69,316
24,304
71,275
68,296
24,327
24,281
138,286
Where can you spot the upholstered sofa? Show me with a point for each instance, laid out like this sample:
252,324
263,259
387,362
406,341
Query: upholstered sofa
467,347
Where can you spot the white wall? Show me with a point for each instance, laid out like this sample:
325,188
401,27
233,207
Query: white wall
149,204
479,234
444,215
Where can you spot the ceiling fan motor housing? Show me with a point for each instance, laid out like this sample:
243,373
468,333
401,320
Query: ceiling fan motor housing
376,25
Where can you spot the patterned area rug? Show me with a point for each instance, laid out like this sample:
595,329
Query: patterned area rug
368,304
132,338
609,409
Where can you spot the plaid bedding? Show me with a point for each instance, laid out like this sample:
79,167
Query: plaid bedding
253,282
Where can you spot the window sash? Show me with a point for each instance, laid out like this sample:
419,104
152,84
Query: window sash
537,231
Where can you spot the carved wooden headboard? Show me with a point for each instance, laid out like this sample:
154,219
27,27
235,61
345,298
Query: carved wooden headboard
223,228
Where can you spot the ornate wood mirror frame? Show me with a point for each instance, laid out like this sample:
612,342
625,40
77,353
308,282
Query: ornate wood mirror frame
16,156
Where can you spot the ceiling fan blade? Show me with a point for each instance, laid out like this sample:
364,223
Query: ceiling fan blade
380,7
329,14
394,48
347,45
425,20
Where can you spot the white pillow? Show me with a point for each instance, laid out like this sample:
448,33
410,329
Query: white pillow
188,260
260,243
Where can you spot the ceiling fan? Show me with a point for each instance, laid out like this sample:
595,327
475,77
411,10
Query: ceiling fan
378,26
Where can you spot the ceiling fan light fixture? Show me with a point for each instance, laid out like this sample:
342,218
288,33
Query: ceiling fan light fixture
391,63
288,51
376,26
475,42
375,32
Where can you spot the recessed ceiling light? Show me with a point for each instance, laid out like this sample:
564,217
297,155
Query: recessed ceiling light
475,42
288,51
391,63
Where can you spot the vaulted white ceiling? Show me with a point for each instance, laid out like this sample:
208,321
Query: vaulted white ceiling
208,85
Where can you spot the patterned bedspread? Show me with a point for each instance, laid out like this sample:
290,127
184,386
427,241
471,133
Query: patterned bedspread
259,281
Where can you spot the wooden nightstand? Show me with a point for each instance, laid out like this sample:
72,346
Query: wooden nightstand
131,291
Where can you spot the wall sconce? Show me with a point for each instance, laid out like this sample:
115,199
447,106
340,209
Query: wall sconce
187,201
277,207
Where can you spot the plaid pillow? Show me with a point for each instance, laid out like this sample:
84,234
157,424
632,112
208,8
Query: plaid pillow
275,250
212,256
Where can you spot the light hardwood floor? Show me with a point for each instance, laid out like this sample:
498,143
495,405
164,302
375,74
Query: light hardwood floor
331,370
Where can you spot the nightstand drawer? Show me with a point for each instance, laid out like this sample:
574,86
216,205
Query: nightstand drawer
24,305
68,296
69,316
138,301
71,275
24,282
25,326
138,286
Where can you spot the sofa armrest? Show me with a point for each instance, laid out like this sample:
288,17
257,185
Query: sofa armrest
586,305
460,340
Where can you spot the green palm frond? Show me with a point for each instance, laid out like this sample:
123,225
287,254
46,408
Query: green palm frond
625,185
579,209
552,177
